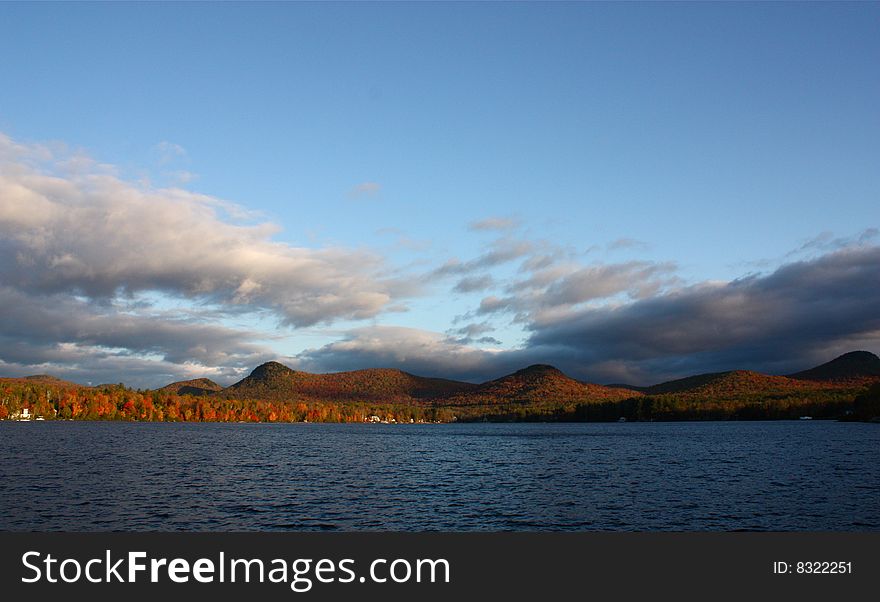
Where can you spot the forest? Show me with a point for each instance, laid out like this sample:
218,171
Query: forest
116,402
51,401
847,388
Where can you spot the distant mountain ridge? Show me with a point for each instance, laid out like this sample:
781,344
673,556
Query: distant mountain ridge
734,382
536,384
45,379
852,366
845,388
539,384
196,386
274,380
48,378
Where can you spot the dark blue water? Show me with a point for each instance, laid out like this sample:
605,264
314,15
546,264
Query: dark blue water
87,476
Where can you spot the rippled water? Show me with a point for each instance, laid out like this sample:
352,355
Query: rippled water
86,476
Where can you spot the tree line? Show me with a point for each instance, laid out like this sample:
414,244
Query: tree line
117,402
121,403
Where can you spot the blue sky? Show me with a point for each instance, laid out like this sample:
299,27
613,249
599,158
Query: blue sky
644,150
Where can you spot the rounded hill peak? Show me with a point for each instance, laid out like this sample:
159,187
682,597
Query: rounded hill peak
539,370
270,370
859,356
851,365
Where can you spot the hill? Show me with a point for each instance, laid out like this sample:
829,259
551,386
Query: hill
537,384
852,367
540,385
196,386
734,395
274,392
722,385
275,381
45,380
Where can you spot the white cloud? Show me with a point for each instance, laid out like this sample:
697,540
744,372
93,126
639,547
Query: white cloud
494,224
182,176
169,152
366,189
95,234
621,244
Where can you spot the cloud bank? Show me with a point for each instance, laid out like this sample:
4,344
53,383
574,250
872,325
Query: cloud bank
802,314
94,234
94,270
71,228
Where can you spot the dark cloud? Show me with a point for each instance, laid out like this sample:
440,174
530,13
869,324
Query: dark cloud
63,335
827,241
433,354
470,284
501,251
800,315
90,367
540,261
473,333
474,329
558,288
636,278
416,351
783,321
493,304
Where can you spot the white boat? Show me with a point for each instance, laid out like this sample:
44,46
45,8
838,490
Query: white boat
806,417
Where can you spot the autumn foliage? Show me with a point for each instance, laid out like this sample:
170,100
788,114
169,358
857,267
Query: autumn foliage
275,393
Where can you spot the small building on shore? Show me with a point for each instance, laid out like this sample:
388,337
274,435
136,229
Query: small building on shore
22,414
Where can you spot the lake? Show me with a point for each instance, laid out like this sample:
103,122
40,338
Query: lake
104,476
